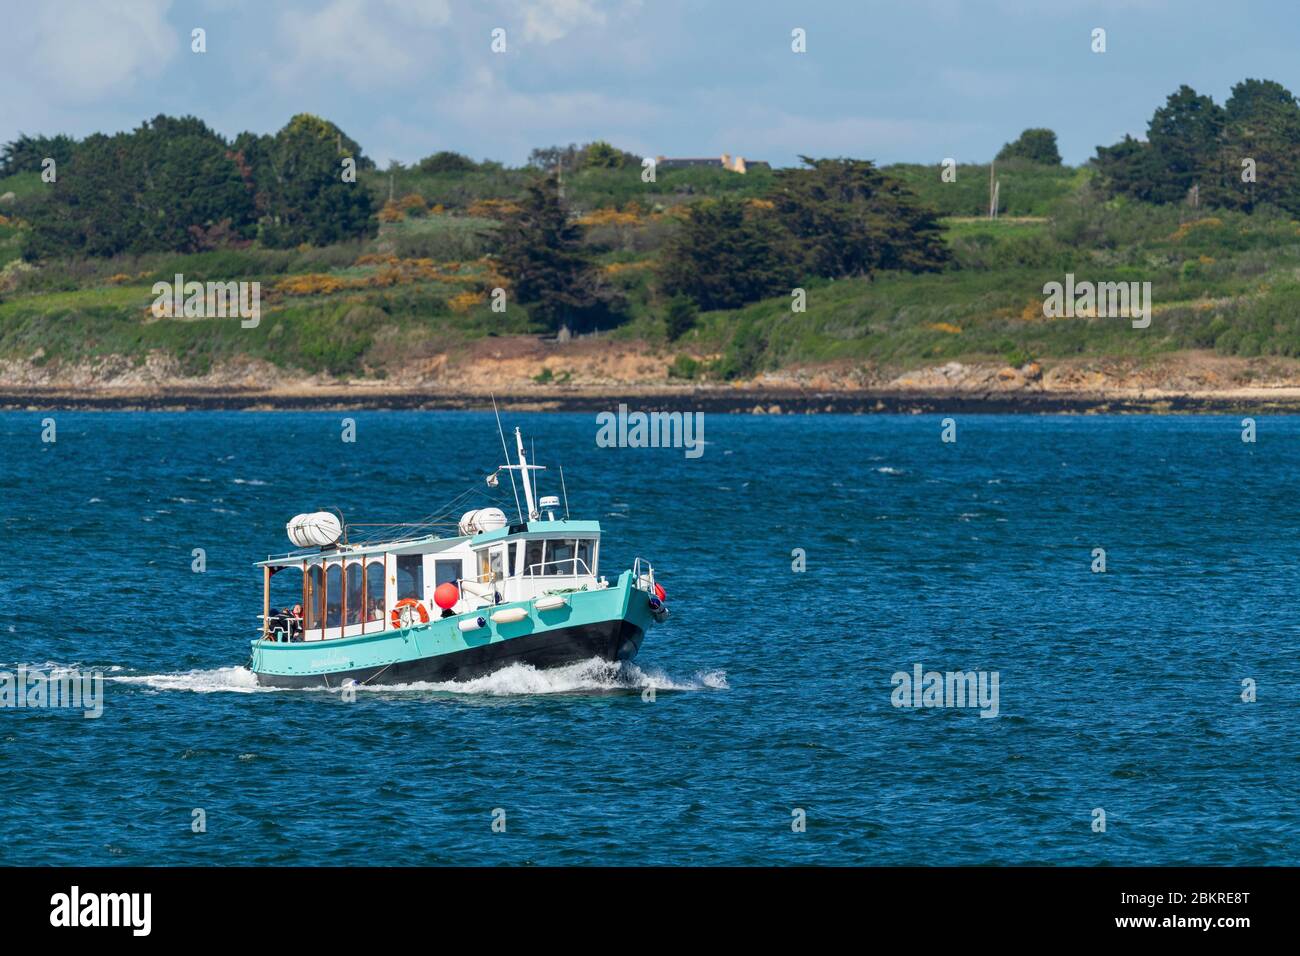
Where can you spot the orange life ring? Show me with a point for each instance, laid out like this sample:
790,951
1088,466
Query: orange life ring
421,612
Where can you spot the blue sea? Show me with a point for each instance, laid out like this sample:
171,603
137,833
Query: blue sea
771,735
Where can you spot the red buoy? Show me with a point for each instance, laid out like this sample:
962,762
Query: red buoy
446,595
660,593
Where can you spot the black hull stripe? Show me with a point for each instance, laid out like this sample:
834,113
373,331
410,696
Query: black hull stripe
608,640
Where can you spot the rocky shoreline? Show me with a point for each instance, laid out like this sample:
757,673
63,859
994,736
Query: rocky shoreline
587,378
754,400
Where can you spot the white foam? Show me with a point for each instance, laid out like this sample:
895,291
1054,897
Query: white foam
239,680
592,676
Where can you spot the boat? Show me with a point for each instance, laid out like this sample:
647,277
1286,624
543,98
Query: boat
430,601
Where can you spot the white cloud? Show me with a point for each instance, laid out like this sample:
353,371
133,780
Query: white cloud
546,21
89,50
518,117
365,44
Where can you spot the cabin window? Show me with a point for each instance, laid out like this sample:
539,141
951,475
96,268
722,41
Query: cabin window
375,591
584,556
286,588
410,576
561,556
516,552
533,558
447,572
356,597
334,596
315,598
494,562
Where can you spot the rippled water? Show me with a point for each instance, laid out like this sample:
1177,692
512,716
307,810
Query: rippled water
1120,691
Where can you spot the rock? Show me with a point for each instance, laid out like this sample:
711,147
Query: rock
1032,371
8,198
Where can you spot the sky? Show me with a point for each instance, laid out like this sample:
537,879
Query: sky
898,81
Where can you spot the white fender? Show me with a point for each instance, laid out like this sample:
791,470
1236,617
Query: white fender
550,602
510,615
471,623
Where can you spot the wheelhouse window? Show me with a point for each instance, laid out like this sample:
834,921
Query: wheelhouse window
356,597
447,572
375,591
534,557
584,556
494,564
315,610
334,596
561,554
410,576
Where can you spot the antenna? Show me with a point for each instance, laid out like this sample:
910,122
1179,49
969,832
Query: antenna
507,454
566,494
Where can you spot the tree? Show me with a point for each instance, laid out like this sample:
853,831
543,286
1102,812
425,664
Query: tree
1183,149
680,317
1258,159
726,254
1129,168
847,218
306,195
1035,145
541,253
601,155
1184,134
446,161
191,186
170,184
27,153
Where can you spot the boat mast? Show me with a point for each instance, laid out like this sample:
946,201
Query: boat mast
524,468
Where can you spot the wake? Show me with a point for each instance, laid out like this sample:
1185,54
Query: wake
595,676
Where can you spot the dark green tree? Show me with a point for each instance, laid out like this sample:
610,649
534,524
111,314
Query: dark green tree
446,161
1258,160
1185,135
541,253
26,153
307,198
1034,145
170,184
1129,168
847,218
728,253
191,185
680,316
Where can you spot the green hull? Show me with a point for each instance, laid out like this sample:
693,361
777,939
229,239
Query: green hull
608,623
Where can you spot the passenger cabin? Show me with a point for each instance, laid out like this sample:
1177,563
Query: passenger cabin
349,590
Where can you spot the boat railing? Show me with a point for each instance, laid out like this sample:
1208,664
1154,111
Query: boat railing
531,572
643,575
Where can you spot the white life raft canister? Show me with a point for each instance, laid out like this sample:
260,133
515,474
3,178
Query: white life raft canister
315,530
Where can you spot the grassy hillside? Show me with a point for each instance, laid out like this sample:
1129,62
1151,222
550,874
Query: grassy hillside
1223,281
